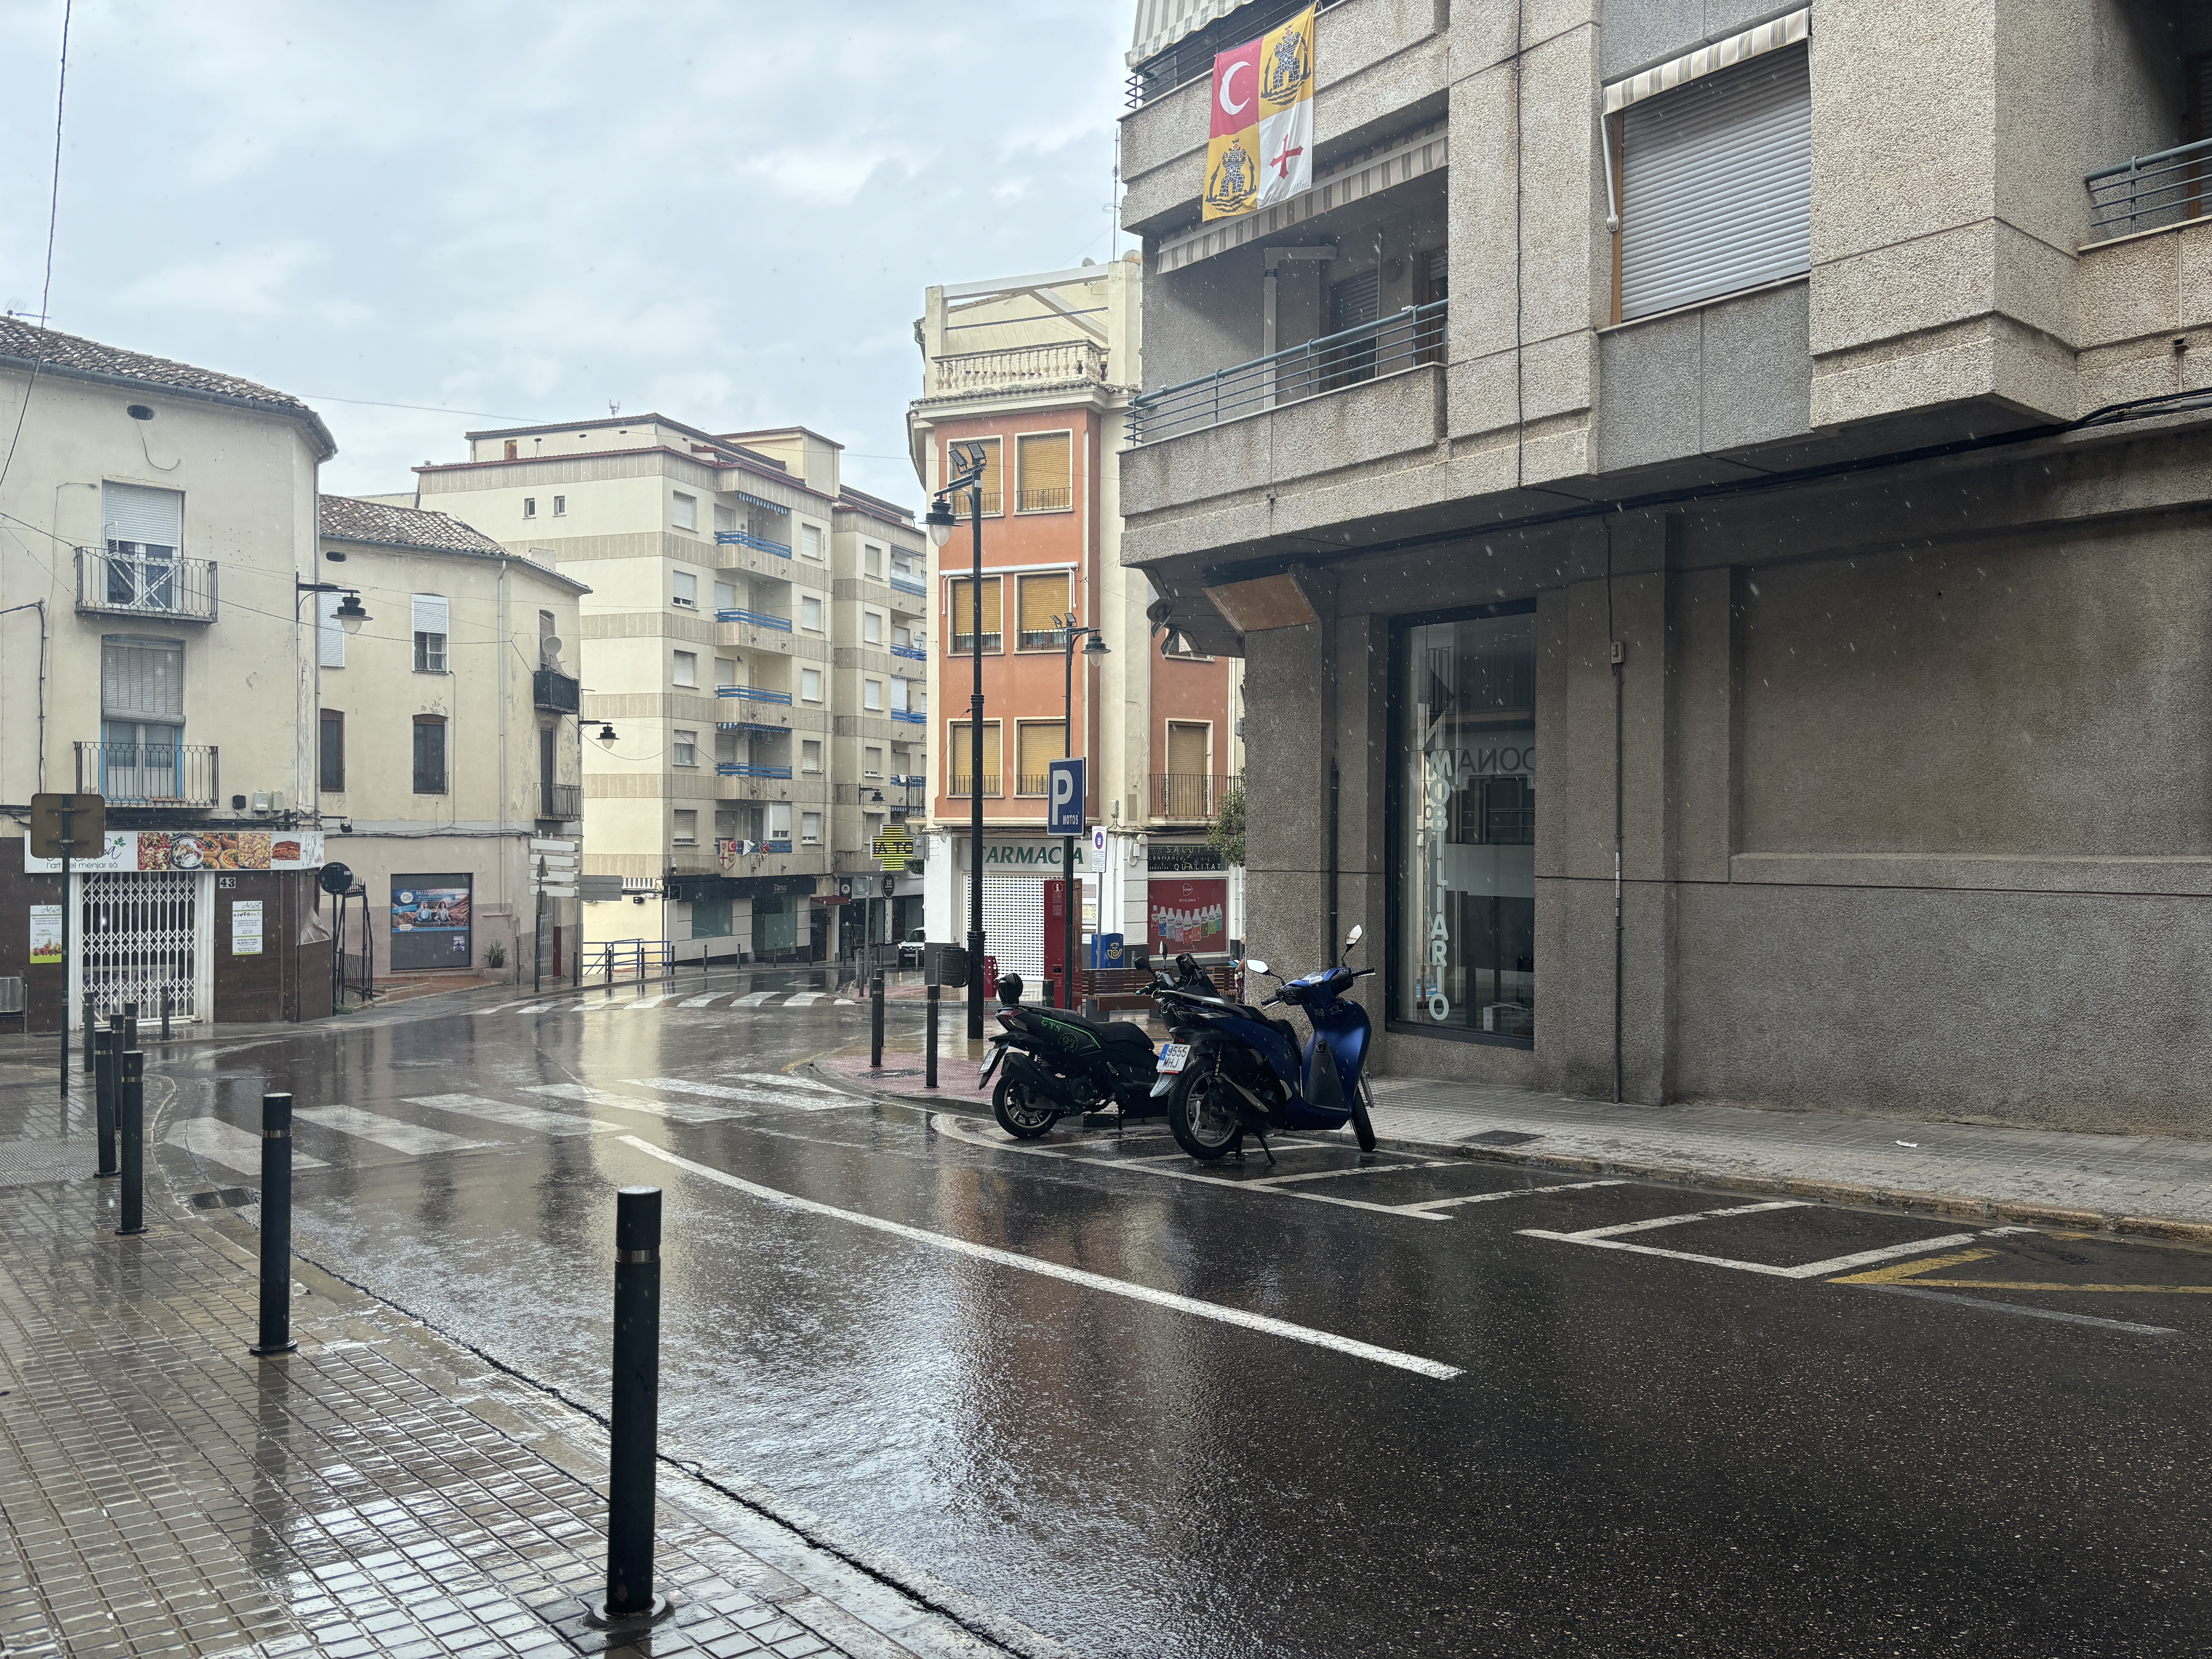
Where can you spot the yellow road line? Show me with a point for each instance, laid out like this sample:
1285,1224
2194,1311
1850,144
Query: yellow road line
1915,1273
1901,1271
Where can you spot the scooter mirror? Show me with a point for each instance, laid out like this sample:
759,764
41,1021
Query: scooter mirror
1253,965
1357,930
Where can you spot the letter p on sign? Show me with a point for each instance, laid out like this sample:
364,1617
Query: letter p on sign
1064,791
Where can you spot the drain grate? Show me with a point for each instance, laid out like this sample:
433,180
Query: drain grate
222,1197
1501,1137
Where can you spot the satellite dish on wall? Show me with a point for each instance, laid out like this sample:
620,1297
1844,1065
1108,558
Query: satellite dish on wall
549,646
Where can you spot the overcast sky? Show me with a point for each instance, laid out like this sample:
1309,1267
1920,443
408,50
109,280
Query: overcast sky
725,212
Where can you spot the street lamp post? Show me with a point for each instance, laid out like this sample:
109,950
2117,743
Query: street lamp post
968,460
1094,646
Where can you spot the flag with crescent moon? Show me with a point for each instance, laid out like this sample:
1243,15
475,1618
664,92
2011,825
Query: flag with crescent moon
1259,148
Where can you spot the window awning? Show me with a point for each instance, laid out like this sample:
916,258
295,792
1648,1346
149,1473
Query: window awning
1161,23
757,501
1425,152
1786,31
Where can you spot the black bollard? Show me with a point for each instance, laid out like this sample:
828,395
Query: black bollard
130,1122
129,1026
166,997
276,1226
929,1042
876,1020
635,1428
85,1008
104,1048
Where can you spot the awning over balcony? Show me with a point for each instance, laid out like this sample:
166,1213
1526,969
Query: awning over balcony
1161,23
1425,152
1752,43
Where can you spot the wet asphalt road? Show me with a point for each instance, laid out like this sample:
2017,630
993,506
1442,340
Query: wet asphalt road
1672,1448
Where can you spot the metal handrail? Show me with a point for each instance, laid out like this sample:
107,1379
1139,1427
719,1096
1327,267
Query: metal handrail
2176,180
1404,340
757,618
151,773
915,652
636,954
909,717
745,538
901,585
747,770
130,585
750,695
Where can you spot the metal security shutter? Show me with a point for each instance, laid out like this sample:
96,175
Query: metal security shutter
1013,927
133,513
1352,303
1716,185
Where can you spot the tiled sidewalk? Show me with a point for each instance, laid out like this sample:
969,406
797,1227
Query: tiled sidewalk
2144,1184
381,1491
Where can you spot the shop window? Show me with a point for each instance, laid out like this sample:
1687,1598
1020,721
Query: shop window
1464,808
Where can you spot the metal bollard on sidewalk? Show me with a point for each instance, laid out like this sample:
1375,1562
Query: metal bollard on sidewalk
276,1226
929,1042
130,1025
634,1429
166,998
104,1048
130,1120
876,1020
84,1009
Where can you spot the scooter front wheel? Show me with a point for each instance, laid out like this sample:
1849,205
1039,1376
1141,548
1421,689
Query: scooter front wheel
1021,1113
1362,1128
1202,1115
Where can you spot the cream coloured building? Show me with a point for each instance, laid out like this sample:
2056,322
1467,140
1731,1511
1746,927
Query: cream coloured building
157,519
447,739
726,670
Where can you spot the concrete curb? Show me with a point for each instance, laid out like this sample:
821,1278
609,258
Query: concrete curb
1853,1194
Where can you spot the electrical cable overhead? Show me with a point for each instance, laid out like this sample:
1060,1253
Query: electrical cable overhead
53,220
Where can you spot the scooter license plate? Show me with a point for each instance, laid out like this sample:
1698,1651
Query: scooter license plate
1173,1056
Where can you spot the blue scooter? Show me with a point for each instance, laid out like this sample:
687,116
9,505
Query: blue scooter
1230,1069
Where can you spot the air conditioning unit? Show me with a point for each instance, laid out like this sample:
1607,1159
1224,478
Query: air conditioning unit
268,800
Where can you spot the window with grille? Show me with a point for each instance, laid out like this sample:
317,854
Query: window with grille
963,614
1044,600
1041,742
429,754
992,500
333,752
1045,485
960,758
432,618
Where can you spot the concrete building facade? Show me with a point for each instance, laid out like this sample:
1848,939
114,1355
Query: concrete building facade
158,517
1789,421
1040,369
448,746
725,736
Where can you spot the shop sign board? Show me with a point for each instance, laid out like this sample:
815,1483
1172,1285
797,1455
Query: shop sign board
127,850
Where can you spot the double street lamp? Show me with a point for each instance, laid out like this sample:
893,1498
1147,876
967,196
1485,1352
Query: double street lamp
969,461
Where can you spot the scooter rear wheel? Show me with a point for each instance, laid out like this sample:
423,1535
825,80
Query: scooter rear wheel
1020,1111
1202,1115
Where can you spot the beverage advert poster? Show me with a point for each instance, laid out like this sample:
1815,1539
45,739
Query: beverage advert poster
1190,916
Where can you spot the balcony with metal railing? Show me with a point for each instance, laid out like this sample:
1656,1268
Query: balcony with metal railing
1045,501
912,652
1189,796
908,586
962,785
1017,368
1191,58
119,584
753,694
746,538
555,692
909,717
748,770
2150,192
561,800
1373,351
757,618
156,774
963,644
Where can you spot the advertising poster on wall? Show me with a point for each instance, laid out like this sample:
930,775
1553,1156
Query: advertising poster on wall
246,927
46,933
1190,916
430,921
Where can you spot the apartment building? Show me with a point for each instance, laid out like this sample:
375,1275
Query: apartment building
1039,370
1790,421
157,518
738,687
447,747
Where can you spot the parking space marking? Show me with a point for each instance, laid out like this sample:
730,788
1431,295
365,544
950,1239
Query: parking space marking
1916,1272
1511,1192
1213,1310
1357,1169
1983,1304
1610,1238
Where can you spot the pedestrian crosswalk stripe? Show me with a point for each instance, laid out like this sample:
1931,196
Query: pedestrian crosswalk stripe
792,1080
771,1093
752,999
800,999
411,1138
227,1144
676,1112
516,1117
701,1002
650,1002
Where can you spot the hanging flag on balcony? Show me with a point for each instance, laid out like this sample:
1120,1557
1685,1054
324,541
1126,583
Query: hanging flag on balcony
1260,150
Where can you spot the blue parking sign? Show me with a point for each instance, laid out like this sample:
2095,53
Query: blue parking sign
1064,791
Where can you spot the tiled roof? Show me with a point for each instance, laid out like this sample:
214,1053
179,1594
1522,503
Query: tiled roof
348,519
71,354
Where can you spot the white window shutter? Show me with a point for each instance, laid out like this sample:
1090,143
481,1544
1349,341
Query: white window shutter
1716,185
432,614
330,636
134,512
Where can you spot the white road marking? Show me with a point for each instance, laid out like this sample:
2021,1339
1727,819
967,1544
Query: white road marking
1590,1235
410,1138
752,999
1608,1238
1357,1169
654,1002
762,1097
701,1002
1513,1192
678,1112
502,1007
227,1144
792,1080
1146,1293
956,1128
520,1117
1888,1252
801,998
1983,1304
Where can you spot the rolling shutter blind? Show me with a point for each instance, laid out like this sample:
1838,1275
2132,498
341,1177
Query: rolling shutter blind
1043,743
964,605
431,613
1044,597
1044,469
1352,303
1716,185
1187,750
133,513
1013,927
141,680
329,633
